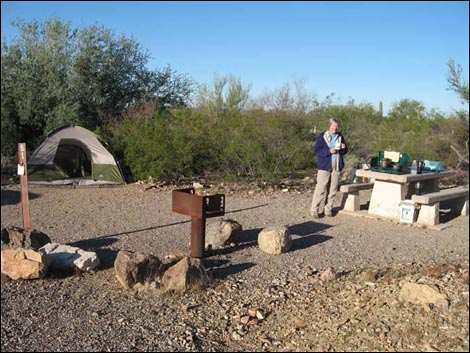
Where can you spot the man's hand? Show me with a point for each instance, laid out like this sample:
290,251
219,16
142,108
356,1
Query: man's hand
333,151
343,146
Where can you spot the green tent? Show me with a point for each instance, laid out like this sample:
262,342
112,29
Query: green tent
73,155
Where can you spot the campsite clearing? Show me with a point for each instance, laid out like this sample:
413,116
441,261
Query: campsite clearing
359,311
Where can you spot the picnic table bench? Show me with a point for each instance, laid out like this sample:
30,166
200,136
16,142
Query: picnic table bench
430,204
351,191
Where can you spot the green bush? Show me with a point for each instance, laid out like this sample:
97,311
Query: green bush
185,142
154,147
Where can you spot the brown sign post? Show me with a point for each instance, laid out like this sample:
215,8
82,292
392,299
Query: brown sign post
185,201
23,174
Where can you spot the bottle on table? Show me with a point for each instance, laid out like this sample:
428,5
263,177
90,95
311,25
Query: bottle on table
414,167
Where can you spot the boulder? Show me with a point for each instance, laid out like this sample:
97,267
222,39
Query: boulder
23,263
66,258
133,268
222,232
16,237
274,240
189,273
422,294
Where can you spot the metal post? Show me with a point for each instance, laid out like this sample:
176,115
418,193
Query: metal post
198,234
23,174
185,201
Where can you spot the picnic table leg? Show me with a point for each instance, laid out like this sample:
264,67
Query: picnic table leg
385,199
429,214
352,202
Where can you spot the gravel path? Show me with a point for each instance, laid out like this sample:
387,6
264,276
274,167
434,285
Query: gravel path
91,312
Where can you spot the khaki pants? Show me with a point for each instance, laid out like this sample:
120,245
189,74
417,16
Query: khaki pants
321,190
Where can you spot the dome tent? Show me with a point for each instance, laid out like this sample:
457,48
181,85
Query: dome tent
73,155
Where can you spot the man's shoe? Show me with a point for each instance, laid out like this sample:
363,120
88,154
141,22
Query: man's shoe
328,214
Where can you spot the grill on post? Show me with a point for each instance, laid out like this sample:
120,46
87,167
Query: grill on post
185,201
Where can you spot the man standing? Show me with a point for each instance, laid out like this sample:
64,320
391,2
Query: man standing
330,147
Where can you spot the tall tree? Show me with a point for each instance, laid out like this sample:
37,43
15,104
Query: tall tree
54,74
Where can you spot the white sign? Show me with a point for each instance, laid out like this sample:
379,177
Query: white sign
20,169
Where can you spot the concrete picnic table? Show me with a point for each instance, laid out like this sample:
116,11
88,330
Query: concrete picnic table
390,189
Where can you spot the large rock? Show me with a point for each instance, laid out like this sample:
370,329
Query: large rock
23,263
274,240
132,268
422,294
222,233
15,237
187,274
65,258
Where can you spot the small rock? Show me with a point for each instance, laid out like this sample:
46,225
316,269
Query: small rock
328,275
422,294
245,319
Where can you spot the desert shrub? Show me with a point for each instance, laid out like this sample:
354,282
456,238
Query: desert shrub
154,147
268,145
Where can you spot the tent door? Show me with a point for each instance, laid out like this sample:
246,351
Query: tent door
72,158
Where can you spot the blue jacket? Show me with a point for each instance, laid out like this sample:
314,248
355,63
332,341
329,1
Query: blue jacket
322,151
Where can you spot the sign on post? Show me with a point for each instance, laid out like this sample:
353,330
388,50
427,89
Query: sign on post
23,174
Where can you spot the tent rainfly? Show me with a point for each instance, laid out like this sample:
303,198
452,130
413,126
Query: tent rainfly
73,155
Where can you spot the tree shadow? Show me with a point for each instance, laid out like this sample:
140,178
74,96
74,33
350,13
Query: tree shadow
13,197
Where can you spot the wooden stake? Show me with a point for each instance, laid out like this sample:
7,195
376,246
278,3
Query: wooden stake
23,174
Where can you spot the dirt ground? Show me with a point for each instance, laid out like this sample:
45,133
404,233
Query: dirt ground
359,311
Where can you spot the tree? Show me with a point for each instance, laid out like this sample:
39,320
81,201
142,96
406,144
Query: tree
455,81
407,108
54,75
460,86
226,95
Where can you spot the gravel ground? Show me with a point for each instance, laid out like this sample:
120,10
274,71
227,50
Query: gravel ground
91,312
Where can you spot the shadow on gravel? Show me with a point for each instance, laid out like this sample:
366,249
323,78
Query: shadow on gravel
148,228
134,231
13,197
247,239
223,272
308,236
306,231
248,208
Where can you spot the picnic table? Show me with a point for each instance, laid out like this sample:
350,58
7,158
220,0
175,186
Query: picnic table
389,190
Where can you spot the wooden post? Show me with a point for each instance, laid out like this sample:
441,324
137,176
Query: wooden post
23,174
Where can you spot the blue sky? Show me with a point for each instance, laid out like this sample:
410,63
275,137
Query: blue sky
366,51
